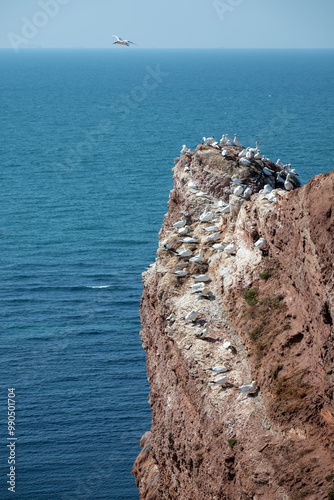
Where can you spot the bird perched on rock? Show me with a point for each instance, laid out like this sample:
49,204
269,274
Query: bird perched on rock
184,230
224,152
218,246
248,193
238,190
220,369
212,237
220,380
244,161
183,252
192,185
192,316
247,389
184,149
197,258
206,215
181,222
203,332
287,184
211,229
230,248
188,239
180,273
260,243
236,142
201,277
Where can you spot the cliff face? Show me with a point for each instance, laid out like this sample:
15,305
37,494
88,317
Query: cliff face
276,307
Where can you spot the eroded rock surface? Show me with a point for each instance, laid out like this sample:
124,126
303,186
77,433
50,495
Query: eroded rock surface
276,307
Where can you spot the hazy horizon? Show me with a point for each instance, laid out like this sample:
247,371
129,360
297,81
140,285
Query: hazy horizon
225,24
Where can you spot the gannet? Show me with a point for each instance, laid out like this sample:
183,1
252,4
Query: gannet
218,246
248,193
267,188
242,153
247,389
184,149
213,237
249,154
171,318
197,258
279,163
203,332
208,140
222,140
201,194
192,185
206,215
197,286
191,316
119,41
287,184
226,210
230,248
215,145
257,156
183,230
181,273
228,141
267,172
186,169
238,191
220,369
256,149
184,252
224,152
201,277
235,141
190,240
220,380
236,180
244,161
180,223
167,244
260,243
210,229
203,292
271,196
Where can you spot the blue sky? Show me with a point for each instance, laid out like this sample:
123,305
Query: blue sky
167,23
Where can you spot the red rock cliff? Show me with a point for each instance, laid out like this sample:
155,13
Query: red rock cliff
275,306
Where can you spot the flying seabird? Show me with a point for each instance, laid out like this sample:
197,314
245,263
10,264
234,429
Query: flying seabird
119,41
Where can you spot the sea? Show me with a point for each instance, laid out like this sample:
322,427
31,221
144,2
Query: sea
87,146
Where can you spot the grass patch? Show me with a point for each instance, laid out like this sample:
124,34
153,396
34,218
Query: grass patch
301,494
331,494
330,476
250,295
265,275
292,392
277,370
232,442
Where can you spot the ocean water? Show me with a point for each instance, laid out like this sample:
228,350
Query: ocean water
87,145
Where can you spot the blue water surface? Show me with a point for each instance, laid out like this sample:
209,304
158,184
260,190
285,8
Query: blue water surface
87,145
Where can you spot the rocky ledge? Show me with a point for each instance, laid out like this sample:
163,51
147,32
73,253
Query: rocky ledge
264,313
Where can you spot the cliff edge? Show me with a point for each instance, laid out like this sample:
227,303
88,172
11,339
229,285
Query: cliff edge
264,313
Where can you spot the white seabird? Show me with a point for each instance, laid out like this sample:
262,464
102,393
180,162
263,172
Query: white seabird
203,332
184,252
206,215
247,389
213,237
184,149
224,152
188,239
183,230
218,246
235,141
211,229
248,193
220,369
279,163
180,223
260,243
201,194
202,277
244,161
197,258
220,380
238,191
191,316
230,248
197,286
119,41
287,184
192,185
181,273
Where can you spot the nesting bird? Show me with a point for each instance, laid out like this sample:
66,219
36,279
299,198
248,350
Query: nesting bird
220,380
181,222
230,248
260,243
247,389
220,369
